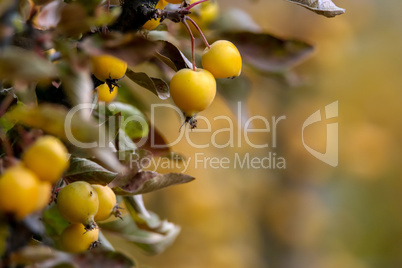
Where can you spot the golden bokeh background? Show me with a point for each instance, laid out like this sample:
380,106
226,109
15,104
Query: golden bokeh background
309,215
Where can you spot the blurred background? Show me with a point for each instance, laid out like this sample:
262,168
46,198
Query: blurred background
309,215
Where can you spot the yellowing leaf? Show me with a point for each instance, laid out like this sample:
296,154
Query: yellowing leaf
21,64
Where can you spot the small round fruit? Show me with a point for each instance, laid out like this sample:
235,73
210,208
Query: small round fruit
105,94
152,23
45,192
193,91
106,67
78,203
223,59
75,238
18,191
47,158
107,202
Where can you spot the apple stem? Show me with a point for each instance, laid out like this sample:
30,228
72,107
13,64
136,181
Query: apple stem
194,4
199,30
192,41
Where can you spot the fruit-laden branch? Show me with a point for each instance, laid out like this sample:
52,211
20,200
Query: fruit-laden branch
136,13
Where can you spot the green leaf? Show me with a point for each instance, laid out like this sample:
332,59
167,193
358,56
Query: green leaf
82,169
6,124
53,222
155,85
268,53
140,215
322,7
132,120
125,142
24,65
148,181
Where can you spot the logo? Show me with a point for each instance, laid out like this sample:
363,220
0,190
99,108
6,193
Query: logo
330,156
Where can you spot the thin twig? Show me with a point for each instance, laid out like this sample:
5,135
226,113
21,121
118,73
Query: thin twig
199,30
194,4
6,103
192,40
7,146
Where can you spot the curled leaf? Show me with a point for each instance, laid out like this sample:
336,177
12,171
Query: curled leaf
142,227
82,169
172,56
155,85
323,7
148,181
268,53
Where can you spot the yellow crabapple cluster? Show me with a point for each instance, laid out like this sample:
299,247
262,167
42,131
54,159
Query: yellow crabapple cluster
81,204
193,90
27,186
109,70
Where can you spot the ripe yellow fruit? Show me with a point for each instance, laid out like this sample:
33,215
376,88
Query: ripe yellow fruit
104,93
223,59
204,13
174,1
18,191
47,158
193,91
152,23
75,238
107,201
78,203
45,191
106,67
